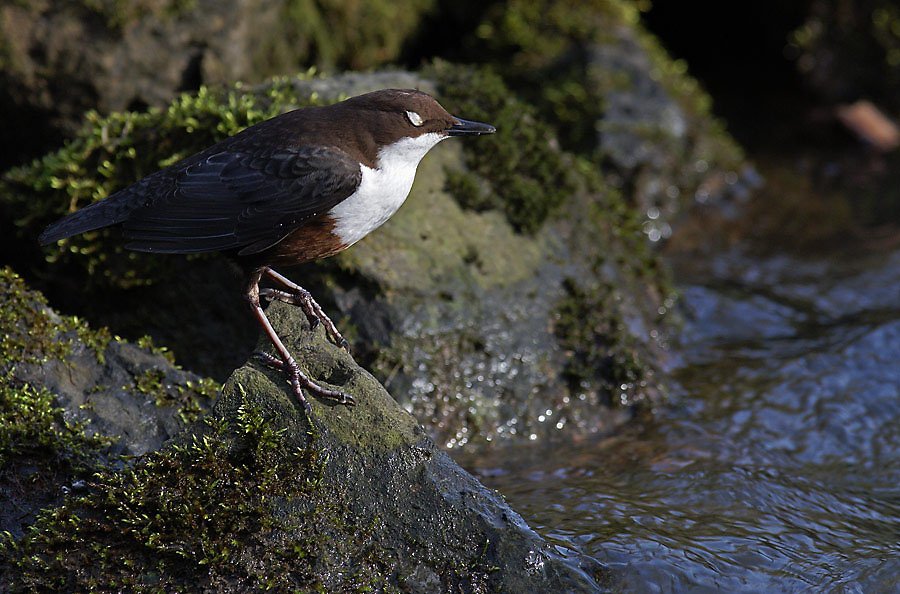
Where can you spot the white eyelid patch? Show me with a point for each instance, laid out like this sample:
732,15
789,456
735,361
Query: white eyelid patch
414,118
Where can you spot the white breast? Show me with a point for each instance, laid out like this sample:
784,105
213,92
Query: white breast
383,189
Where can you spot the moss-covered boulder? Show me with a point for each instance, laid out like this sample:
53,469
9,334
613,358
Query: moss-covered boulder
512,296
74,399
613,94
256,495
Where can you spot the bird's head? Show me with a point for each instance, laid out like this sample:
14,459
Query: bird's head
411,116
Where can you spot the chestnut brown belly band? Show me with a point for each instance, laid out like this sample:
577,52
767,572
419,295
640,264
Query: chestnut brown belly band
315,239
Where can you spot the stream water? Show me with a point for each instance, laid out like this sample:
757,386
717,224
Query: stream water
776,465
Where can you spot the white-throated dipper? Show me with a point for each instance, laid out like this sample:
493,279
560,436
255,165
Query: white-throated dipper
301,186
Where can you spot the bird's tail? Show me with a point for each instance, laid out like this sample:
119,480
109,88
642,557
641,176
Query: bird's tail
94,216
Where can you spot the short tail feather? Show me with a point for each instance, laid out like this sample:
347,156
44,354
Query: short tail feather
95,216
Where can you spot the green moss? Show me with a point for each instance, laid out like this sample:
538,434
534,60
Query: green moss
195,516
118,14
30,332
207,387
152,383
34,433
95,339
188,402
602,356
186,398
529,178
27,330
545,51
540,49
605,357
341,35
146,342
469,190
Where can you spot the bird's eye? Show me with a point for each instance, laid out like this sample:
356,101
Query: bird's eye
414,118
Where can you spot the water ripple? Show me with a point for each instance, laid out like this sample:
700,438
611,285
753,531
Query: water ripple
778,467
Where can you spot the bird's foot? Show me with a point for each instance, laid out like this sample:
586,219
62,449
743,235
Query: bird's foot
314,312
300,380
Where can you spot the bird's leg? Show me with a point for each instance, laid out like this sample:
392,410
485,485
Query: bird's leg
297,295
287,364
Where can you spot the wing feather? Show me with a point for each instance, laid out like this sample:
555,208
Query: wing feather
236,200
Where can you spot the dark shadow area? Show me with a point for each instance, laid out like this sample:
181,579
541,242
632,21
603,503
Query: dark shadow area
822,179
738,54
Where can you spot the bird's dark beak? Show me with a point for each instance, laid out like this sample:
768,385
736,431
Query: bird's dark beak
465,127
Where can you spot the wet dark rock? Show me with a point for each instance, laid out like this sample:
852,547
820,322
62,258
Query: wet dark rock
360,495
432,514
74,399
116,388
125,396
656,131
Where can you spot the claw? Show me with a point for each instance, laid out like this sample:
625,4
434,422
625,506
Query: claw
300,380
269,360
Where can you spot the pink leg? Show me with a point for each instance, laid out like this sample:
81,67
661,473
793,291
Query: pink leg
287,364
297,295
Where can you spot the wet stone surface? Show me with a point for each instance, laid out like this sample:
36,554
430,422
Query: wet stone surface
360,494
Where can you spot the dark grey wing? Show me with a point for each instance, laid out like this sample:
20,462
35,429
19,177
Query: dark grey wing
237,200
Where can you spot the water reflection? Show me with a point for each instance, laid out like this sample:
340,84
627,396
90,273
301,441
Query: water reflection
777,469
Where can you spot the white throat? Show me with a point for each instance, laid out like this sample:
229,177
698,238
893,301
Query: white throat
382,189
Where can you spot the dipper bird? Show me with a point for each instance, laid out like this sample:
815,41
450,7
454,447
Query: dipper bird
301,186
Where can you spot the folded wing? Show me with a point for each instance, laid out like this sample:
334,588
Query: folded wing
248,202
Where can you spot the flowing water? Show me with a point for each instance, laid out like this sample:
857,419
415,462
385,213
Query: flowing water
776,465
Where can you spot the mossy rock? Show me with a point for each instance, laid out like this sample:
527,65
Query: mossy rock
441,303
74,399
501,231
258,495
612,94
